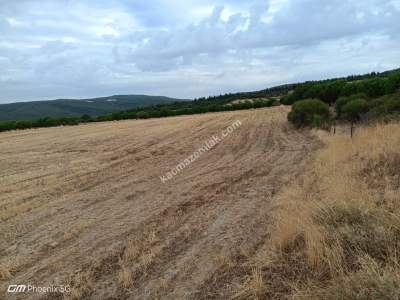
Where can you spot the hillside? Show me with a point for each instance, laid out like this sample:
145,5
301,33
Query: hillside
74,108
269,212
339,91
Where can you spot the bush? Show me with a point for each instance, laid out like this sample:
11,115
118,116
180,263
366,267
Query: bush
375,87
353,110
352,88
342,101
7,125
392,105
393,83
86,118
142,115
330,92
289,99
384,107
314,113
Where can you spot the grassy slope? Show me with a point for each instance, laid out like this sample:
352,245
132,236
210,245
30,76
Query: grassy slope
336,233
70,108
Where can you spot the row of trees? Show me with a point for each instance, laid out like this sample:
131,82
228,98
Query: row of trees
355,108
316,113
330,91
166,110
280,90
276,91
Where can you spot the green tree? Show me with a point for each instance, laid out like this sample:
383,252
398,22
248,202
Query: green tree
393,83
375,87
309,113
353,110
86,118
330,92
342,101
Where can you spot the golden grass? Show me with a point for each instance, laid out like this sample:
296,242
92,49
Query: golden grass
147,259
81,286
4,273
340,227
254,287
131,252
9,267
125,276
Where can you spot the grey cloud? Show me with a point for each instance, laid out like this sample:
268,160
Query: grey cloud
187,48
299,23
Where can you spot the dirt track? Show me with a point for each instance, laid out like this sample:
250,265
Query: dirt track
85,205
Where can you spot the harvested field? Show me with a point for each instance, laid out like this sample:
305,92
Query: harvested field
85,205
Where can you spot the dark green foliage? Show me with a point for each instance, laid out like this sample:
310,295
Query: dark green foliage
353,97
327,91
352,88
76,108
353,110
313,113
342,101
8,125
330,92
392,104
267,93
289,99
375,87
86,118
158,111
393,83
384,107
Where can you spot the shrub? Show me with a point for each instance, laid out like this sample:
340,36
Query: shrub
352,88
288,99
309,113
384,107
23,124
86,118
342,101
392,105
375,87
142,115
330,92
7,125
353,110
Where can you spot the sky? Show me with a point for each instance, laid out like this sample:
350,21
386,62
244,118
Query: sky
188,48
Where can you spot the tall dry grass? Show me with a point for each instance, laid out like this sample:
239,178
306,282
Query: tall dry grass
337,233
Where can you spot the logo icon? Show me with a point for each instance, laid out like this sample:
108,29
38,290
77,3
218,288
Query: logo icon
14,288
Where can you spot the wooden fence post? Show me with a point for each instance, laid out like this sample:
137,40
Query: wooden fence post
352,129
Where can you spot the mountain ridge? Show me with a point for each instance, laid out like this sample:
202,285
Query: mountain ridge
31,110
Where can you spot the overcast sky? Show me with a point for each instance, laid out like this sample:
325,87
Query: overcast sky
188,48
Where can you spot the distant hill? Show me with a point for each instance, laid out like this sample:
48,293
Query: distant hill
72,108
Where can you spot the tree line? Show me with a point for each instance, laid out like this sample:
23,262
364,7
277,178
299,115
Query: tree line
157,111
321,103
315,103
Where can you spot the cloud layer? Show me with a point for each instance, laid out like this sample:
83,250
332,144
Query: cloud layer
71,48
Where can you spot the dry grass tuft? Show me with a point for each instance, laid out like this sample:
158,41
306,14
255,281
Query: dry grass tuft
147,259
342,223
254,286
81,285
125,276
4,273
225,261
371,281
132,251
